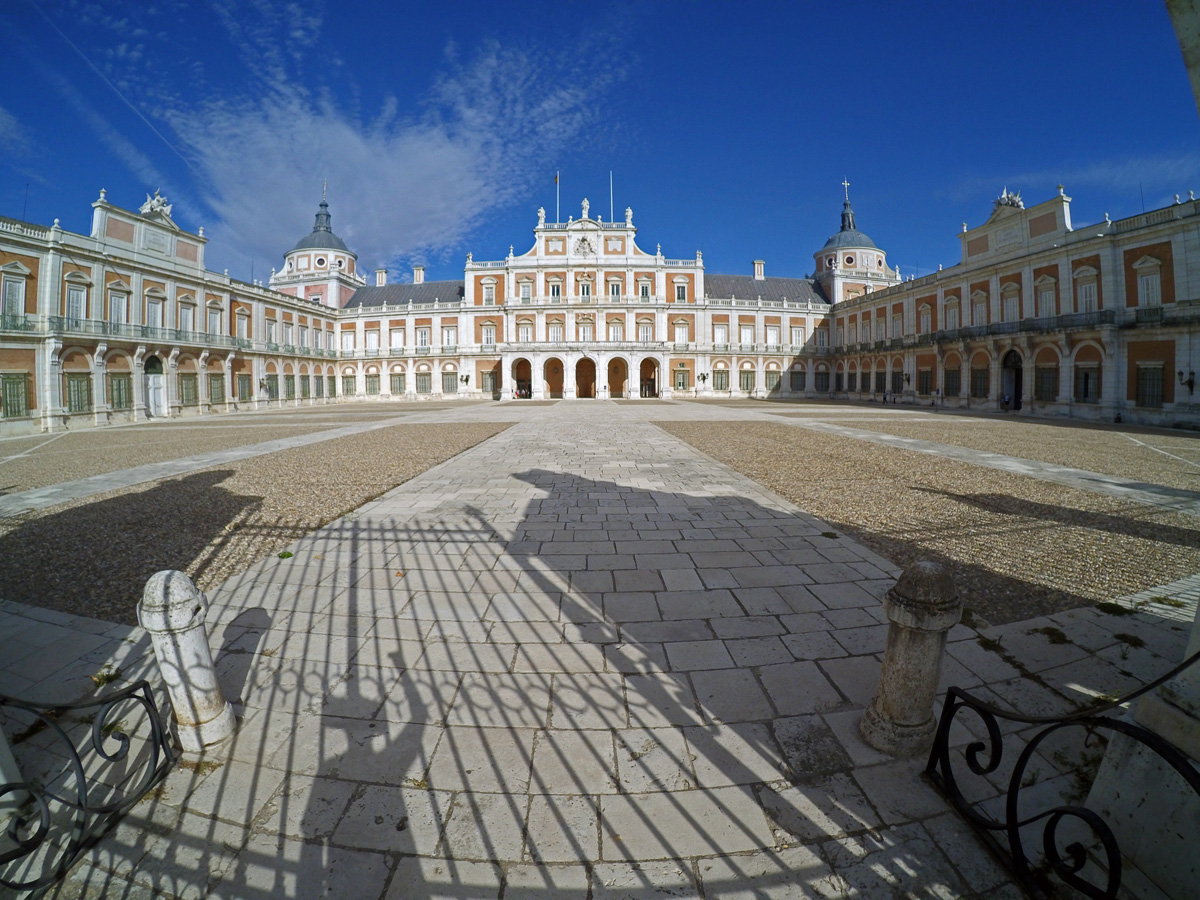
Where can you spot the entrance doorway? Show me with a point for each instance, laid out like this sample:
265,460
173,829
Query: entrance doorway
522,373
616,378
156,387
1011,380
585,378
649,378
553,373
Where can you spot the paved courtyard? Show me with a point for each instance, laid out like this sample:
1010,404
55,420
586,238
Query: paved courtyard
581,658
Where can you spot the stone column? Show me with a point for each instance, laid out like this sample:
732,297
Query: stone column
922,606
172,610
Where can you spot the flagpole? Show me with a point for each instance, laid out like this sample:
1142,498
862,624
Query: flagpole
556,193
610,197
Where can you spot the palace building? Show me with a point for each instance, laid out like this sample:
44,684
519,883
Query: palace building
1038,319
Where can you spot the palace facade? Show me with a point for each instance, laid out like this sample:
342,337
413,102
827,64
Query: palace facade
126,323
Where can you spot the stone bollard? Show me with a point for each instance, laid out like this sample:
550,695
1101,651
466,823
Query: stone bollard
172,610
922,606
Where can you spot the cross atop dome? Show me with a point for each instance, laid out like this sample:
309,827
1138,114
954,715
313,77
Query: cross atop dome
846,185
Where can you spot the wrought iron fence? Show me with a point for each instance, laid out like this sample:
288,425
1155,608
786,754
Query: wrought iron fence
1078,865
83,766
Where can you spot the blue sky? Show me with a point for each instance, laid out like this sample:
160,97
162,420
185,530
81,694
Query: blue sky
727,127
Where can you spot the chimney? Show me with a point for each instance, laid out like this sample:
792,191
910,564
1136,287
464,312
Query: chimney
758,270
418,274
380,277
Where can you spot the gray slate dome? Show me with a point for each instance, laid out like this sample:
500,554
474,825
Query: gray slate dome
322,237
849,236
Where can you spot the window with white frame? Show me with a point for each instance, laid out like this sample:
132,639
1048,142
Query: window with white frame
289,335
614,290
746,334
644,290
822,337
721,334
118,308
556,289
585,331
303,335
838,335
154,313
1010,302
187,317
525,332
450,336
1087,296
880,327
979,306
526,290
681,293
423,337
616,331
645,332
489,294
372,336
214,320
585,290
348,341
1045,298
1149,281
243,326
396,337
773,335
273,331
488,333
681,332
926,320
952,317
76,304
13,303
555,332
797,336
897,325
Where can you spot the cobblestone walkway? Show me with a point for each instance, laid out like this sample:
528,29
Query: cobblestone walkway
580,659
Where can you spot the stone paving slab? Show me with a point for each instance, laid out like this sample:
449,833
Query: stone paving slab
469,703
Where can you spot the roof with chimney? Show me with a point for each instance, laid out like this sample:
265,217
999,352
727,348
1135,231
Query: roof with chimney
405,294
747,287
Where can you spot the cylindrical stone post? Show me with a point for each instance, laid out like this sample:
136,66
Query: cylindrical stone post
172,610
922,606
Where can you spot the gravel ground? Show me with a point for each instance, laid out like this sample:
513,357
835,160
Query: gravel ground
1018,547
92,557
1154,456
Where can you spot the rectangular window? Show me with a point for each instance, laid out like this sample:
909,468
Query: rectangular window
243,327
682,379
396,338
331,385
489,295
952,318
681,293
925,382
347,341
397,384
303,335
839,382
822,382
746,335
897,382
681,333
424,382
953,379
1148,294
216,387
423,337
1150,386
79,392
1087,384
837,336
489,335
14,297
979,313
555,290
289,387
772,378
372,384
349,386
746,379
525,333
555,333
721,335
214,321
120,391
979,384
772,335
372,340
154,313
450,337
585,290
273,333
880,382
822,336
1012,307
585,331
926,320
319,387
645,332
305,387
897,325
526,292
614,290
244,388
1045,303
1045,383
1087,297
118,308
797,379
76,306
487,382
720,379
644,290
797,337
616,331
187,318
449,382
189,389
272,387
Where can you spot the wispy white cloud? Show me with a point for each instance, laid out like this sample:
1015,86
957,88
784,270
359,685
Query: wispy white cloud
14,139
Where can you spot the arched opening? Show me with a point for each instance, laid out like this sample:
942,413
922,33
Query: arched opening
616,378
649,378
585,378
1012,380
522,375
156,387
552,372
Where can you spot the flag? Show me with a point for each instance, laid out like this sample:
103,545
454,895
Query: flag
556,178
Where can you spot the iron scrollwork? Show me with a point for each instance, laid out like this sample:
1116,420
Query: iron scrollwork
79,791
1004,836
